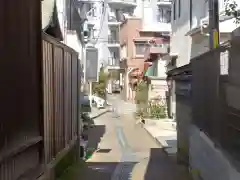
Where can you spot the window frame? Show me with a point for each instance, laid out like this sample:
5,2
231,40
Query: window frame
144,43
165,13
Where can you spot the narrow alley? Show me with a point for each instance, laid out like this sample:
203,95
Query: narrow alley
126,151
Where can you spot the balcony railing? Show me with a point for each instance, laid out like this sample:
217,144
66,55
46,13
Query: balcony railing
156,49
113,61
163,19
113,40
112,19
159,49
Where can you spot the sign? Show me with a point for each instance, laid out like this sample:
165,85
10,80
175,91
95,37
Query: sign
91,68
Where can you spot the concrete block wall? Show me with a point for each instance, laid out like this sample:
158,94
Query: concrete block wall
207,162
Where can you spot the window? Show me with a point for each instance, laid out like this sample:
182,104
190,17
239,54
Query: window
174,10
179,8
91,32
140,48
164,15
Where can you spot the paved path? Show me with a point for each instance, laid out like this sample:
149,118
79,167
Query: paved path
126,152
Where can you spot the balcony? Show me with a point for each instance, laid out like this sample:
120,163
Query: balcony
164,2
159,49
156,49
113,41
122,3
113,63
113,21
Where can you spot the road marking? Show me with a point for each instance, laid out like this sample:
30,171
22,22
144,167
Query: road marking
123,171
120,138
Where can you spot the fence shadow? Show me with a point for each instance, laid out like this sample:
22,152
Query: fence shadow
162,166
94,135
100,170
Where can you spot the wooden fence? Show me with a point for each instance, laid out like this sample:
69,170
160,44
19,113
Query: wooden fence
27,146
60,89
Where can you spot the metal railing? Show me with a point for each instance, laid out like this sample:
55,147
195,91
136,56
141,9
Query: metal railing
113,40
113,61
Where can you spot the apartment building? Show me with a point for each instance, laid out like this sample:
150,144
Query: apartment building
104,19
136,35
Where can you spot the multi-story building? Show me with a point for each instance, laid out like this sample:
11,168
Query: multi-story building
104,19
190,35
136,35
190,28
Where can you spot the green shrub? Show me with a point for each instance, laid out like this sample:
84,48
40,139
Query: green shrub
157,111
100,86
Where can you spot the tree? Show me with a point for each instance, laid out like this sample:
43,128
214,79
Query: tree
231,9
99,87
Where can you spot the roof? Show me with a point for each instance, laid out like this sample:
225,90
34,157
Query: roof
50,20
186,69
47,12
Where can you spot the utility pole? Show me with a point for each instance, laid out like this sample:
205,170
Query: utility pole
213,24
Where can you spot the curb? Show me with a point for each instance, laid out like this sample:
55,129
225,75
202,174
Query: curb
158,142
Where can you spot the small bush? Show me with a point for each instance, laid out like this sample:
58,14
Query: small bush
157,111
100,86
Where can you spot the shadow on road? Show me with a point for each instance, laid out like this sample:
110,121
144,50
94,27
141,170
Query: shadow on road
159,166
94,136
162,166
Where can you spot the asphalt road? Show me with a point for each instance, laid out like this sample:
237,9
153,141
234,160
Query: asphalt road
126,151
